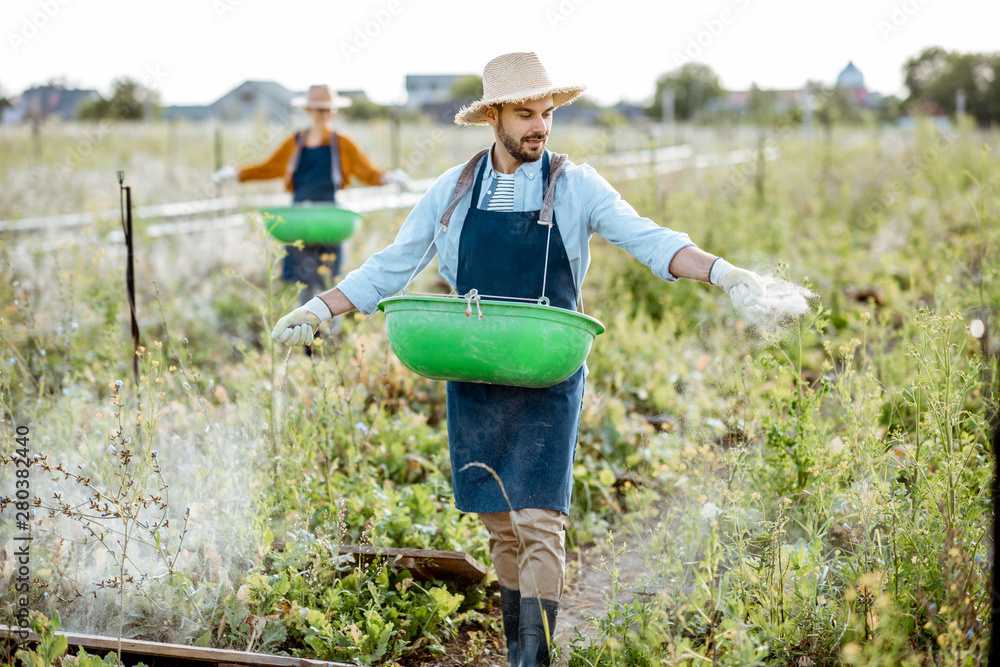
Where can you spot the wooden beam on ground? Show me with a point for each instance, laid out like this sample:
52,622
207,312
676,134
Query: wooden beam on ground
424,563
176,651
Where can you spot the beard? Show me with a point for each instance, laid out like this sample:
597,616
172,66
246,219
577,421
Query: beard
513,145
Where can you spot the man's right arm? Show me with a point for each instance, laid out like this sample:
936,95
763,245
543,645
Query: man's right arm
387,272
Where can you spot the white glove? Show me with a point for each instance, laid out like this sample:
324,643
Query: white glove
225,175
397,177
299,326
743,287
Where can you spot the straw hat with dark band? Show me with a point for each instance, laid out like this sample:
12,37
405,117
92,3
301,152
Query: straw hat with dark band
512,78
321,97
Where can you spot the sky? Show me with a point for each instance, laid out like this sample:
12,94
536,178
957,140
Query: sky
194,51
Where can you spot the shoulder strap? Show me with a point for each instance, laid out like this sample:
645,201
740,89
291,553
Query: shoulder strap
336,168
555,169
464,184
293,162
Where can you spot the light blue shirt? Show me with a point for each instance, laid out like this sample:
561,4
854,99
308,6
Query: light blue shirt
585,204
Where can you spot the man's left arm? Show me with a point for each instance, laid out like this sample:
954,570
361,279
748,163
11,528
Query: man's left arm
669,254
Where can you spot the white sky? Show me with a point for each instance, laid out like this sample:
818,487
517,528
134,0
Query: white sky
194,51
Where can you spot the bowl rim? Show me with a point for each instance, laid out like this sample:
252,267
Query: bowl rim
527,306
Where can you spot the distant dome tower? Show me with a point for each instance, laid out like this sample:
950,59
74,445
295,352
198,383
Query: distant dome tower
852,80
851,77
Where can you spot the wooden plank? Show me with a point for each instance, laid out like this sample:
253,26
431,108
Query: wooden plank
424,563
194,653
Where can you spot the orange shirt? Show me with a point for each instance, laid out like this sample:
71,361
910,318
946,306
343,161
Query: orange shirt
353,163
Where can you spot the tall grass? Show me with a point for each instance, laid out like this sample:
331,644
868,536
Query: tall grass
815,492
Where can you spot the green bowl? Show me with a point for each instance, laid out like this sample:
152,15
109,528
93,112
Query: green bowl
311,224
518,344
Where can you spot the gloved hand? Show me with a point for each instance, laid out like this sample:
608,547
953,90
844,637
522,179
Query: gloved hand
299,326
743,287
225,175
397,177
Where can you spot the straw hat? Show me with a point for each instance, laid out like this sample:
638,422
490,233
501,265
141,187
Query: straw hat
515,77
321,97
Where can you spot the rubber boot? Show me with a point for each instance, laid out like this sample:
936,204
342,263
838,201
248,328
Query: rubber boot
510,606
532,638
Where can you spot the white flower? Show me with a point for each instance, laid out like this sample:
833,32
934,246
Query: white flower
710,510
111,449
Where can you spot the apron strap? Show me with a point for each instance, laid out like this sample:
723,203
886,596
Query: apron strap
293,163
558,161
336,169
465,181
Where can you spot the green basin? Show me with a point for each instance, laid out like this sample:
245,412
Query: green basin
519,344
311,224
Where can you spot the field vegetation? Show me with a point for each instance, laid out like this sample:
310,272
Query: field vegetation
805,491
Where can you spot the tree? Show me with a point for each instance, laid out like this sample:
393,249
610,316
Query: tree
693,84
467,88
935,77
128,102
363,109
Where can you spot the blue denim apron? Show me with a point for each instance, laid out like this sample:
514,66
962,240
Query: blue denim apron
312,181
528,436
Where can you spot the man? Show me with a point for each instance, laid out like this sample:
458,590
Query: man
503,239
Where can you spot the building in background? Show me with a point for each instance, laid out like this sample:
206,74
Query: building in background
852,81
50,101
425,89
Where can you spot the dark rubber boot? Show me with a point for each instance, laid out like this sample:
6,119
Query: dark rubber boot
510,606
532,637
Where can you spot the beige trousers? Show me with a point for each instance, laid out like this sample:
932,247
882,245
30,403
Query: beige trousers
529,551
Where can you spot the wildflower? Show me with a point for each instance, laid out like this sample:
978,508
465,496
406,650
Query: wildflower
932,608
74,326
128,440
111,449
710,510
118,384
969,634
41,353
59,330
12,361
154,453
361,426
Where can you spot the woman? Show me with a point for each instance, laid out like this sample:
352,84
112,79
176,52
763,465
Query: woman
315,164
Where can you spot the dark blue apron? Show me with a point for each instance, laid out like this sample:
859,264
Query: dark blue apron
528,436
312,181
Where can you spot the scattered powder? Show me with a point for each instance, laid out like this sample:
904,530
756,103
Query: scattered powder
783,302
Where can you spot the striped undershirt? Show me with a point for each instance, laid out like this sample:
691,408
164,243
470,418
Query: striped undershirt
503,195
